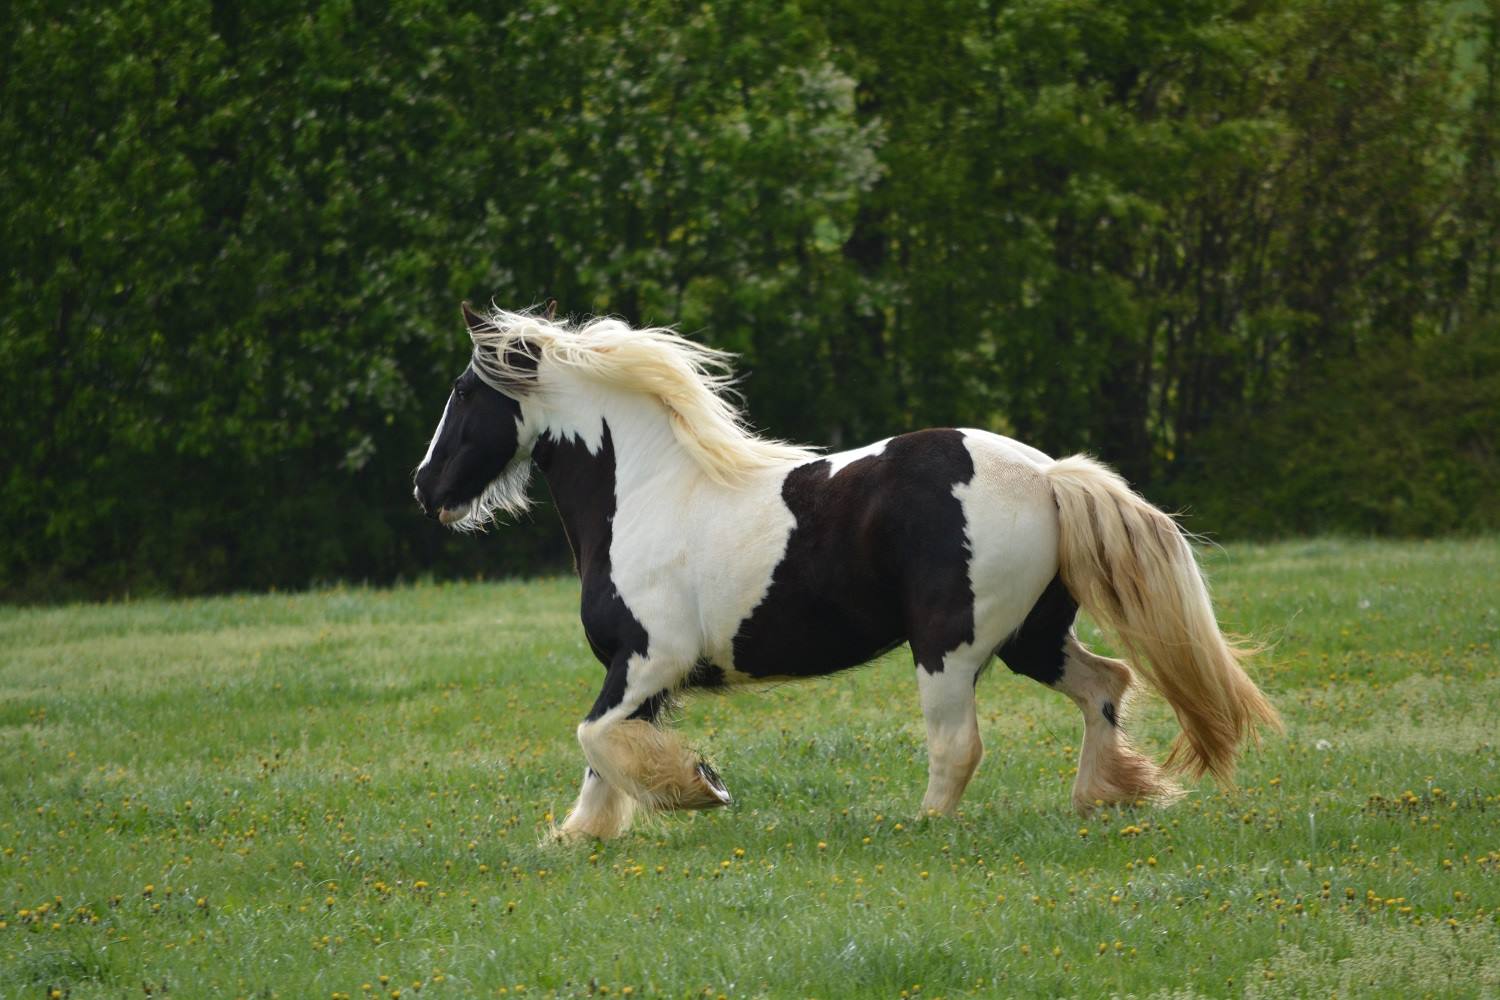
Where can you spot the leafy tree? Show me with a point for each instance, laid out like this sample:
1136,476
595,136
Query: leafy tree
1175,234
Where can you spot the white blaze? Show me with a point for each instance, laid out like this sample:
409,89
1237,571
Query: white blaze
436,434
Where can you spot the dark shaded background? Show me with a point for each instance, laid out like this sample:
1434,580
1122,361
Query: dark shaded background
1247,254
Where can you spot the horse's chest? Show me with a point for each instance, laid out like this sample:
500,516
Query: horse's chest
694,572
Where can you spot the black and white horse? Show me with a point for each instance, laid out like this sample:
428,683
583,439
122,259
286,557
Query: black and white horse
710,556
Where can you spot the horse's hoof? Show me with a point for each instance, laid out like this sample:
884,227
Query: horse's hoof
714,784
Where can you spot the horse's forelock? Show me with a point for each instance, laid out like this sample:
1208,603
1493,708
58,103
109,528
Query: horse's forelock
508,347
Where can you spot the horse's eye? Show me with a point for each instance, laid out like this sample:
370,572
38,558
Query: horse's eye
460,392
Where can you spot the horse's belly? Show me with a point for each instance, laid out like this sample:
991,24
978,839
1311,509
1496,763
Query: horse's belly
817,639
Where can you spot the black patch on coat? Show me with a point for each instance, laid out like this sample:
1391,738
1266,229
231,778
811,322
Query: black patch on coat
1109,714
583,489
705,676
478,441
878,555
652,708
1036,648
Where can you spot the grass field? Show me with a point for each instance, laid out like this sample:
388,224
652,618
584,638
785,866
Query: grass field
342,793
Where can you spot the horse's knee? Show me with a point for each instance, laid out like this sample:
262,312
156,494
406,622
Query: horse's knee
591,737
611,752
651,764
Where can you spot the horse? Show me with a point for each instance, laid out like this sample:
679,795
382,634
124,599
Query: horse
711,556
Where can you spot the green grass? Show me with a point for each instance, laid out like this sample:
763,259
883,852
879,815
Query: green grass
297,795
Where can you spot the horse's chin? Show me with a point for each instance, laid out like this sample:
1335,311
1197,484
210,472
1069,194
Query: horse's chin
451,515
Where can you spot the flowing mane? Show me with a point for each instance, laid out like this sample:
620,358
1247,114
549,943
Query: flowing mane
694,382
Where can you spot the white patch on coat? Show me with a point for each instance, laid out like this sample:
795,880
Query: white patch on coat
837,462
1016,449
1010,521
690,558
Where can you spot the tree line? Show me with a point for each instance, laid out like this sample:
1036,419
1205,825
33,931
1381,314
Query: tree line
1248,253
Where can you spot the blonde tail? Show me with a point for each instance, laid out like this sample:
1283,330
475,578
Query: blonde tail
1131,568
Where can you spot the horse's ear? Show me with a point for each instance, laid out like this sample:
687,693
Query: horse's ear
551,309
472,320
517,355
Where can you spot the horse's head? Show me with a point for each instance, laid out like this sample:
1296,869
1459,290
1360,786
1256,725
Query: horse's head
479,461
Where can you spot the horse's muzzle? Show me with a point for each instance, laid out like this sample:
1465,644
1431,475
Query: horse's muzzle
427,509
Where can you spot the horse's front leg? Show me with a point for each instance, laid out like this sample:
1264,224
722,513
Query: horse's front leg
601,812
628,748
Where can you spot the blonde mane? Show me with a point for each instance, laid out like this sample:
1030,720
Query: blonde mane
694,382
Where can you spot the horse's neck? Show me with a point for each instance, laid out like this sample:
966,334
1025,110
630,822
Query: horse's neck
582,482
600,454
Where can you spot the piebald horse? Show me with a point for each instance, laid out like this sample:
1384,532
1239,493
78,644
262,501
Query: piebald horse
710,556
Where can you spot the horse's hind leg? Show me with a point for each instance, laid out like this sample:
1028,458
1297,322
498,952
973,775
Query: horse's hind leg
954,749
1109,768
1045,649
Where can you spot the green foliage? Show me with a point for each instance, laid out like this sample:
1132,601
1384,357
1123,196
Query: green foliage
236,237
1401,442
210,334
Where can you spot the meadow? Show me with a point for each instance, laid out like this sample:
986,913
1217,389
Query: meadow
343,793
